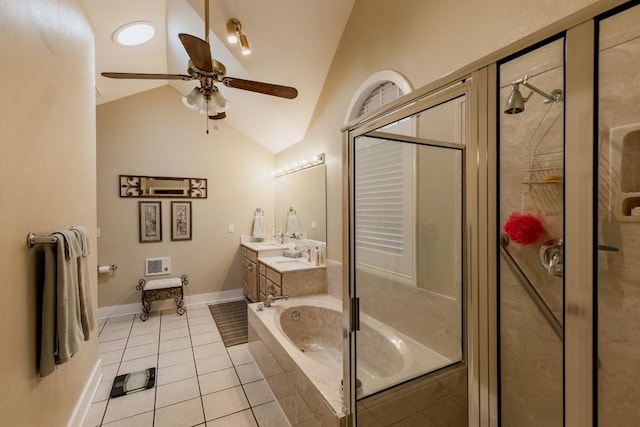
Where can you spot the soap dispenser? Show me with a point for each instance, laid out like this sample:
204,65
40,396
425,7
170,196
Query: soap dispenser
317,256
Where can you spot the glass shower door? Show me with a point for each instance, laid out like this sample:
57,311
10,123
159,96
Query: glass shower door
531,217
408,268
618,220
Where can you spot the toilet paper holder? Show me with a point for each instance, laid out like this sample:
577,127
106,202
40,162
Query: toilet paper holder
103,269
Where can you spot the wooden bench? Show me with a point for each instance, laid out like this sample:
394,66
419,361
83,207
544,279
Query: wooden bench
159,289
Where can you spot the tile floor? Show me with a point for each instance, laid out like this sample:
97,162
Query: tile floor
199,382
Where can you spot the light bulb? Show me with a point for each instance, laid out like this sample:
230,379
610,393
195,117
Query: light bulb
191,99
233,29
244,45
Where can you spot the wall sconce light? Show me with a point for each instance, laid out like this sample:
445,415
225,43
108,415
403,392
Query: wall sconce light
234,35
299,165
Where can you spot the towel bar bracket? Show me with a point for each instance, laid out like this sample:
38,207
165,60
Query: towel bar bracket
33,239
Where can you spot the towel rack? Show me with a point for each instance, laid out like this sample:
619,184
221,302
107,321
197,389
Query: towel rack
33,240
259,211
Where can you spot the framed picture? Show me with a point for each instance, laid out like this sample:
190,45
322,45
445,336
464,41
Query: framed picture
150,221
180,220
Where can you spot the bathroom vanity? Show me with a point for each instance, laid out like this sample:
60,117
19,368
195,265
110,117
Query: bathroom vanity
265,271
286,276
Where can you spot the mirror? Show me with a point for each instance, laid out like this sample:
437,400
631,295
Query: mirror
162,187
304,192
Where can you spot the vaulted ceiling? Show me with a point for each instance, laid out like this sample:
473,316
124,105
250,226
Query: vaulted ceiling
293,43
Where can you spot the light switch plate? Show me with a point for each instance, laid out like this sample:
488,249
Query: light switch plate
231,228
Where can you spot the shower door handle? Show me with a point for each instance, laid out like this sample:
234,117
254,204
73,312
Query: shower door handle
355,314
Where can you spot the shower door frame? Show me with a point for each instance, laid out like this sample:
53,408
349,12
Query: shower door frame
404,107
578,306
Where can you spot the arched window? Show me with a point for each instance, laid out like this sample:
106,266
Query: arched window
384,189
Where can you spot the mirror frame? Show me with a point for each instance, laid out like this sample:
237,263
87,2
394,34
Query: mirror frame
131,186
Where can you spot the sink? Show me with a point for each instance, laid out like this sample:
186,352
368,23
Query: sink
270,246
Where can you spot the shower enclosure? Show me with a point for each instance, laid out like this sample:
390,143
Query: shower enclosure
617,220
508,264
568,298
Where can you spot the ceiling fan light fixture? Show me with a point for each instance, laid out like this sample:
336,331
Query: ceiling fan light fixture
191,100
134,33
221,103
234,29
244,45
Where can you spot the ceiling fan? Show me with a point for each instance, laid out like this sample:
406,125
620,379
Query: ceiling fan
202,67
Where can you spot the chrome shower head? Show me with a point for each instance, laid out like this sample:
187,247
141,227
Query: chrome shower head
515,102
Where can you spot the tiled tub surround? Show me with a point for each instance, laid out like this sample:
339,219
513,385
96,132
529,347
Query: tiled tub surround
302,359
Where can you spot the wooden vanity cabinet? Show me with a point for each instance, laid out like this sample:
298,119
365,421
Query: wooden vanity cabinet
250,273
270,282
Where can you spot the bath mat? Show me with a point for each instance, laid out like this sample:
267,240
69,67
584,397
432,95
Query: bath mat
231,319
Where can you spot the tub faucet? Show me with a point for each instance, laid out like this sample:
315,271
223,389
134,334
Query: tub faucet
271,298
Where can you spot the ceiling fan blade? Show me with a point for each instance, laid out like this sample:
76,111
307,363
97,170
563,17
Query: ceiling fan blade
147,76
199,52
218,116
266,88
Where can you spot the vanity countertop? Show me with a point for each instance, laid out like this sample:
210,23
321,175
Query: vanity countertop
284,264
266,246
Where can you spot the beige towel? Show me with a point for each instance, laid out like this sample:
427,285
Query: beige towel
63,320
48,331
68,310
84,283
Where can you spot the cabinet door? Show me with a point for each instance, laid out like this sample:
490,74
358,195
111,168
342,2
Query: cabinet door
249,279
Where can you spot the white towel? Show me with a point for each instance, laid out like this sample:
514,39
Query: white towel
292,225
258,226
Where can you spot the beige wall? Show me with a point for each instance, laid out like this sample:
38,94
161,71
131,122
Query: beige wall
47,135
422,41
152,133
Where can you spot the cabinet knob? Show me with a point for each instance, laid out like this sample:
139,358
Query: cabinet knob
250,267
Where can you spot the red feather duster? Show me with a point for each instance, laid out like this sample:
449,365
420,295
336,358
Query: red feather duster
523,229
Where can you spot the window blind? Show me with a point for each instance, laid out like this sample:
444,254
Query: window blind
384,93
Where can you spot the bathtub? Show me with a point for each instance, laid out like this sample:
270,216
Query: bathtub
297,344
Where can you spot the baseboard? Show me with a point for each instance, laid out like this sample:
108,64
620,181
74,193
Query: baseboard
209,298
84,402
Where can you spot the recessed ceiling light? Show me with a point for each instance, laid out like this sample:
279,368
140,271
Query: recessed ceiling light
134,33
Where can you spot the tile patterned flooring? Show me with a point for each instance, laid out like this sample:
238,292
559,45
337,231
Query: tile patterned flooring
199,382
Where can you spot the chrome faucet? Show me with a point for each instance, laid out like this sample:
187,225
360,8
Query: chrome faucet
271,298
279,237
307,250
